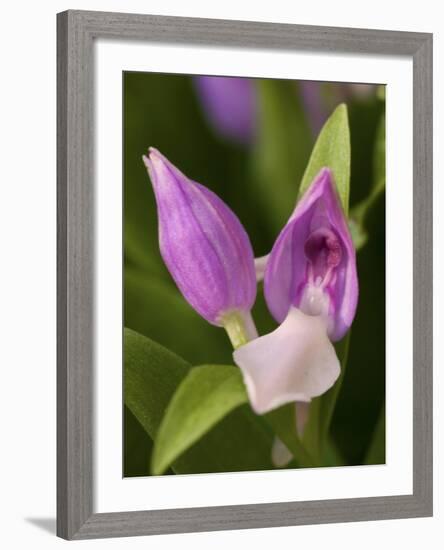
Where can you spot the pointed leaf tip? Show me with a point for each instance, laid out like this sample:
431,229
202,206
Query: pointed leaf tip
332,150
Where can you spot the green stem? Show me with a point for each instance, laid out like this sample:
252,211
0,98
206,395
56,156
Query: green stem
240,327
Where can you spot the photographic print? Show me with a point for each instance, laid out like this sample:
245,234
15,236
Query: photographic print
254,274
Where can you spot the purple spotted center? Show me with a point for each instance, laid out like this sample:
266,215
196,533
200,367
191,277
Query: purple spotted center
323,251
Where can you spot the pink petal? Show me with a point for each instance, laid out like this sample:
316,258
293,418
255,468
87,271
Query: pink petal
230,105
286,273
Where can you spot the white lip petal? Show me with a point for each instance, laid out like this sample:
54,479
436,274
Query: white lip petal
295,362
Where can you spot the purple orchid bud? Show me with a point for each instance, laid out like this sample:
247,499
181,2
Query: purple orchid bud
230,105
202,243
311,288
312,265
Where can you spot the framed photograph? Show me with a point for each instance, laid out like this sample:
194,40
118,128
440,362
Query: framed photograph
244,275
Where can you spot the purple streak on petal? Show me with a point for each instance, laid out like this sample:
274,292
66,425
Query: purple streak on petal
315,238
230,105
202,242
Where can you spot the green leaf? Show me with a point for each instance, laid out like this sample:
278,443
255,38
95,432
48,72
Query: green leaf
205,396
282,148
322,407
357,230
241,441
332,149
151,376
283,422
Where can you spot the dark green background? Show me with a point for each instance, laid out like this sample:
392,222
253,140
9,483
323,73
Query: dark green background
163,111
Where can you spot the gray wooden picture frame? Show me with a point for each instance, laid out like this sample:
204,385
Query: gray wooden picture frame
76,32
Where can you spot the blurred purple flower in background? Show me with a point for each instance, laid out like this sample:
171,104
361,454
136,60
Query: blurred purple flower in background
311,288
229,104
203,244
316,111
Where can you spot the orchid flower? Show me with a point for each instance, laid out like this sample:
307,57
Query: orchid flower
205,248
311,288
230,105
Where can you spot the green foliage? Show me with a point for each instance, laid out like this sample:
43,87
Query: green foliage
206,395
240,442
332,149
151,376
